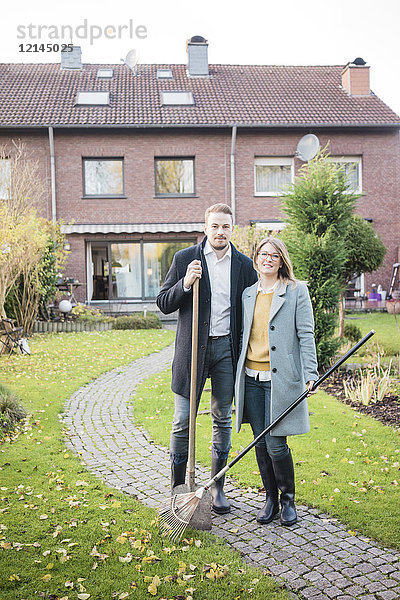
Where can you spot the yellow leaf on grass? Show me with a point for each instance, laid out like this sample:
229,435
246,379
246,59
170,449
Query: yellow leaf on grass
152,589
123,595
46,577
83,596
121,539
14,577
50,566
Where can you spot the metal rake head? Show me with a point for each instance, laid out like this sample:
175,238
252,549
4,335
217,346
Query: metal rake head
175,513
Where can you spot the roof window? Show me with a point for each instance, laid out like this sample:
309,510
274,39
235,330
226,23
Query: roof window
105,73
177,98
164,74
93,98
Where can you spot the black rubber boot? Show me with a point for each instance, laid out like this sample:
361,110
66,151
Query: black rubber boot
271,506
284,476
178,474
220,504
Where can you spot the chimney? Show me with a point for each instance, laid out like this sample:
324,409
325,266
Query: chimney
71,59
355,78
197,49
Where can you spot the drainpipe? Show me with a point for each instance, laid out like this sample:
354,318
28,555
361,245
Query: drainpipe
53,176
233,194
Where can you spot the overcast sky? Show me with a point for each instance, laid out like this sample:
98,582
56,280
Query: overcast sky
293,32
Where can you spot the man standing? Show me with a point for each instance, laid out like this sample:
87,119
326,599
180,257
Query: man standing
224,273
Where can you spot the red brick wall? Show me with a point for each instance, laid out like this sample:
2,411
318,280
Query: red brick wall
211,149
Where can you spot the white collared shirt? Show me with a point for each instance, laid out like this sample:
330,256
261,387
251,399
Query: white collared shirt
219,272
261,375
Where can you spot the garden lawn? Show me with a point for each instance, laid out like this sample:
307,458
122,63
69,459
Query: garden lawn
387,335
348,465
63,533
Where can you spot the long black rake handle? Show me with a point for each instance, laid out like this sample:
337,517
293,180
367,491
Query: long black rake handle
288,410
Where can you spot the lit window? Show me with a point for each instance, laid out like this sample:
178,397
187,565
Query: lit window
174,176
352,170
164,74
5,179
105,73
93,98
103,177
177,98
272,175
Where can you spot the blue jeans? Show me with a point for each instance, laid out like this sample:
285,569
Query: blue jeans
257,410
219,367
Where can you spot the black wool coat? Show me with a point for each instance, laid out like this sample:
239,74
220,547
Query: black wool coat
172,297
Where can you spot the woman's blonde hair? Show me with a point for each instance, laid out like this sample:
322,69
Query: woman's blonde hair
285,272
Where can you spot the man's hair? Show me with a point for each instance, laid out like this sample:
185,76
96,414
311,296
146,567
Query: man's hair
217,208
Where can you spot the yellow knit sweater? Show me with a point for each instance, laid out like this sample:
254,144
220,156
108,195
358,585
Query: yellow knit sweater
257,356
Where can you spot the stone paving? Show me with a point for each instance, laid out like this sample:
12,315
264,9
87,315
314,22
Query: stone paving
316,559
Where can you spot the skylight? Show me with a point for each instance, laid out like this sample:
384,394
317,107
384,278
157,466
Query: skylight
93,98
176,98
164,74
105,73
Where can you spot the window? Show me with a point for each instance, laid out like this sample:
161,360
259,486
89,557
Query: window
164,74
176,98
5,179
105,73
93,98
272,175
352,169
103,177
138,270
174,176
270,227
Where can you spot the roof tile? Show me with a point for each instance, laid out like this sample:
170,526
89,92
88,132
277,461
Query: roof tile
44,94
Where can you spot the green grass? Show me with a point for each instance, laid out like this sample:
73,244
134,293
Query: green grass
387,335
54,513
348,465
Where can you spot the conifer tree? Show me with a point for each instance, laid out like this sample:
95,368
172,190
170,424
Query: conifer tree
319,208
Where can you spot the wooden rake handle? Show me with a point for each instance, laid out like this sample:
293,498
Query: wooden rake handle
193,388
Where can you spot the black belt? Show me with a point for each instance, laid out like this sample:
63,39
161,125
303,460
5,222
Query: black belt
218,337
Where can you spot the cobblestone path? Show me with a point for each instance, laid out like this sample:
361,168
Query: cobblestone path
316,559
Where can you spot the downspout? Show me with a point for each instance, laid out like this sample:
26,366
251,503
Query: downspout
53,176
233,191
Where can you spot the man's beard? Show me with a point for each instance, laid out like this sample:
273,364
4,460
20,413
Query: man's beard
219,244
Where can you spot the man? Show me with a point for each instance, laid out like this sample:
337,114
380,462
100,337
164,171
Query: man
224,273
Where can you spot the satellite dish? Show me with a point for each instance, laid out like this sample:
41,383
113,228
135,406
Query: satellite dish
132,59
307,147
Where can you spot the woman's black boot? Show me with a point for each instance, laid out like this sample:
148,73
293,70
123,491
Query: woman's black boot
284,476
220,503
271,506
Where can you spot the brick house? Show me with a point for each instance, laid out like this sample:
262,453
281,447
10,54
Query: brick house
132,155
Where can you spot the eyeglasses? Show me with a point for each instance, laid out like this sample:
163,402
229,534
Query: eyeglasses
273,257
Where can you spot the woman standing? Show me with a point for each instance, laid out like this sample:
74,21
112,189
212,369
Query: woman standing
276,364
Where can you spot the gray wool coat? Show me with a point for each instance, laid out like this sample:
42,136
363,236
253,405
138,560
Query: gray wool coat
293,357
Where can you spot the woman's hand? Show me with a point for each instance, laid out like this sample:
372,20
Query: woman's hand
310,385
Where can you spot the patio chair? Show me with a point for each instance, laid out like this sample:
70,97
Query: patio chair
11,338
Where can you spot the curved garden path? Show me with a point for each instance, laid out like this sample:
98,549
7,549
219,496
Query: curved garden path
316,558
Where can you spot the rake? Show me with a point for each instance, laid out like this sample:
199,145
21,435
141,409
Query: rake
175,513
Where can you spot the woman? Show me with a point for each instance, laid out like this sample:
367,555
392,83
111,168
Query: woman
276,364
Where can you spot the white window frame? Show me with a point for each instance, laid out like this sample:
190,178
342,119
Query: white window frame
269,161
351,159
